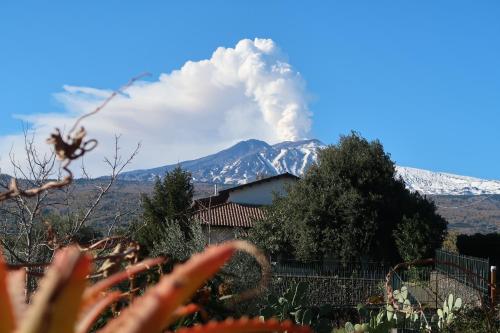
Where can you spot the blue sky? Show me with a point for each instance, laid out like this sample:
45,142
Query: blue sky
421,76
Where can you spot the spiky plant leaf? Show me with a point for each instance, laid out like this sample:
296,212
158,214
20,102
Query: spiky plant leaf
56,305
7,321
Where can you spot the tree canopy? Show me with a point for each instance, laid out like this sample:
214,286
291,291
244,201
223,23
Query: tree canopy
350,205
481,245
166,212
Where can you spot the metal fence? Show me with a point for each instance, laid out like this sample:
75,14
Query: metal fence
470,271
415,281
345,284
341,284
463,276
363,270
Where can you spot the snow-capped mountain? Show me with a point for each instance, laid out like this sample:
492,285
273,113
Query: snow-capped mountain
246,160
243,162
440,183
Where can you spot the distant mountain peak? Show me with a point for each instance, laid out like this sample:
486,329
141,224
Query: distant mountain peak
244,161
306,143
247,146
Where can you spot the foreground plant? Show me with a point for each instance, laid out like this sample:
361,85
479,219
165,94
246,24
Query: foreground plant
447,314
293,305
66,302
390,316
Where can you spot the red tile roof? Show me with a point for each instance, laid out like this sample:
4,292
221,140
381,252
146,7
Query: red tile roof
230,214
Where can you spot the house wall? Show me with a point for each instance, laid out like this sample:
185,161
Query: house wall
260,194
221,234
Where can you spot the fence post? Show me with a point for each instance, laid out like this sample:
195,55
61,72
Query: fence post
493,282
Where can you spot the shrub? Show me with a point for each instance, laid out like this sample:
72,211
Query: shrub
350,204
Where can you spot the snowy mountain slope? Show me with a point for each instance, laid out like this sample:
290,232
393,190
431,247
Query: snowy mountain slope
244,161
440,183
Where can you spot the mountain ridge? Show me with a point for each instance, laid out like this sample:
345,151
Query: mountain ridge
248,159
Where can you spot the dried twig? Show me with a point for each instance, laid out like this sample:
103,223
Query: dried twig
107,100
117,165
36,178
67,150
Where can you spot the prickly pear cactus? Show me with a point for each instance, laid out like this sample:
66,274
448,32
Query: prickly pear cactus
446,315
388,317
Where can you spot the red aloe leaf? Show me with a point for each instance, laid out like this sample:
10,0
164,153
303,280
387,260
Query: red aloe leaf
245,325
154,310
88,318
185,310
16,283
57,303
7,322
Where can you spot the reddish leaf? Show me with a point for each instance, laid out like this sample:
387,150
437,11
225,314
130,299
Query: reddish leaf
245,325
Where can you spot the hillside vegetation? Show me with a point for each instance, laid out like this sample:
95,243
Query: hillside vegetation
466,214
470,214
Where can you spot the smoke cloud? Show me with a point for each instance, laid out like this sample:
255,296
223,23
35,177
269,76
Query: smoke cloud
249,91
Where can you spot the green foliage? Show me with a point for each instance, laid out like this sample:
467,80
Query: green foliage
387,317
473,320
173,242
447,314
49,227
450,242
417,237
241,274
293,306
481,245
380,322
351,205
166,216
270,235
61,225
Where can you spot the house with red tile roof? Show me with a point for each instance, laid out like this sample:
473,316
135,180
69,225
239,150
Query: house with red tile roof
229,213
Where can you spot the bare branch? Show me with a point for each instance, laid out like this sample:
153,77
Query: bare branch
117,167
66,150
107,100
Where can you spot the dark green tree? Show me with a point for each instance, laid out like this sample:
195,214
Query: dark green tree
481,245
169,203
351,205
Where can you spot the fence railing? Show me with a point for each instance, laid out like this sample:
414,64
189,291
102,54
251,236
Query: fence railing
411,279
364,270
341,284
339,292
471,271
349,283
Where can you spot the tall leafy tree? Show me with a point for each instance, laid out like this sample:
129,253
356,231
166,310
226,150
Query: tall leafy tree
169,204
351,205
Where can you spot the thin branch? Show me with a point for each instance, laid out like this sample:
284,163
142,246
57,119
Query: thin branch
116,168
107,100
67,150
12,253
